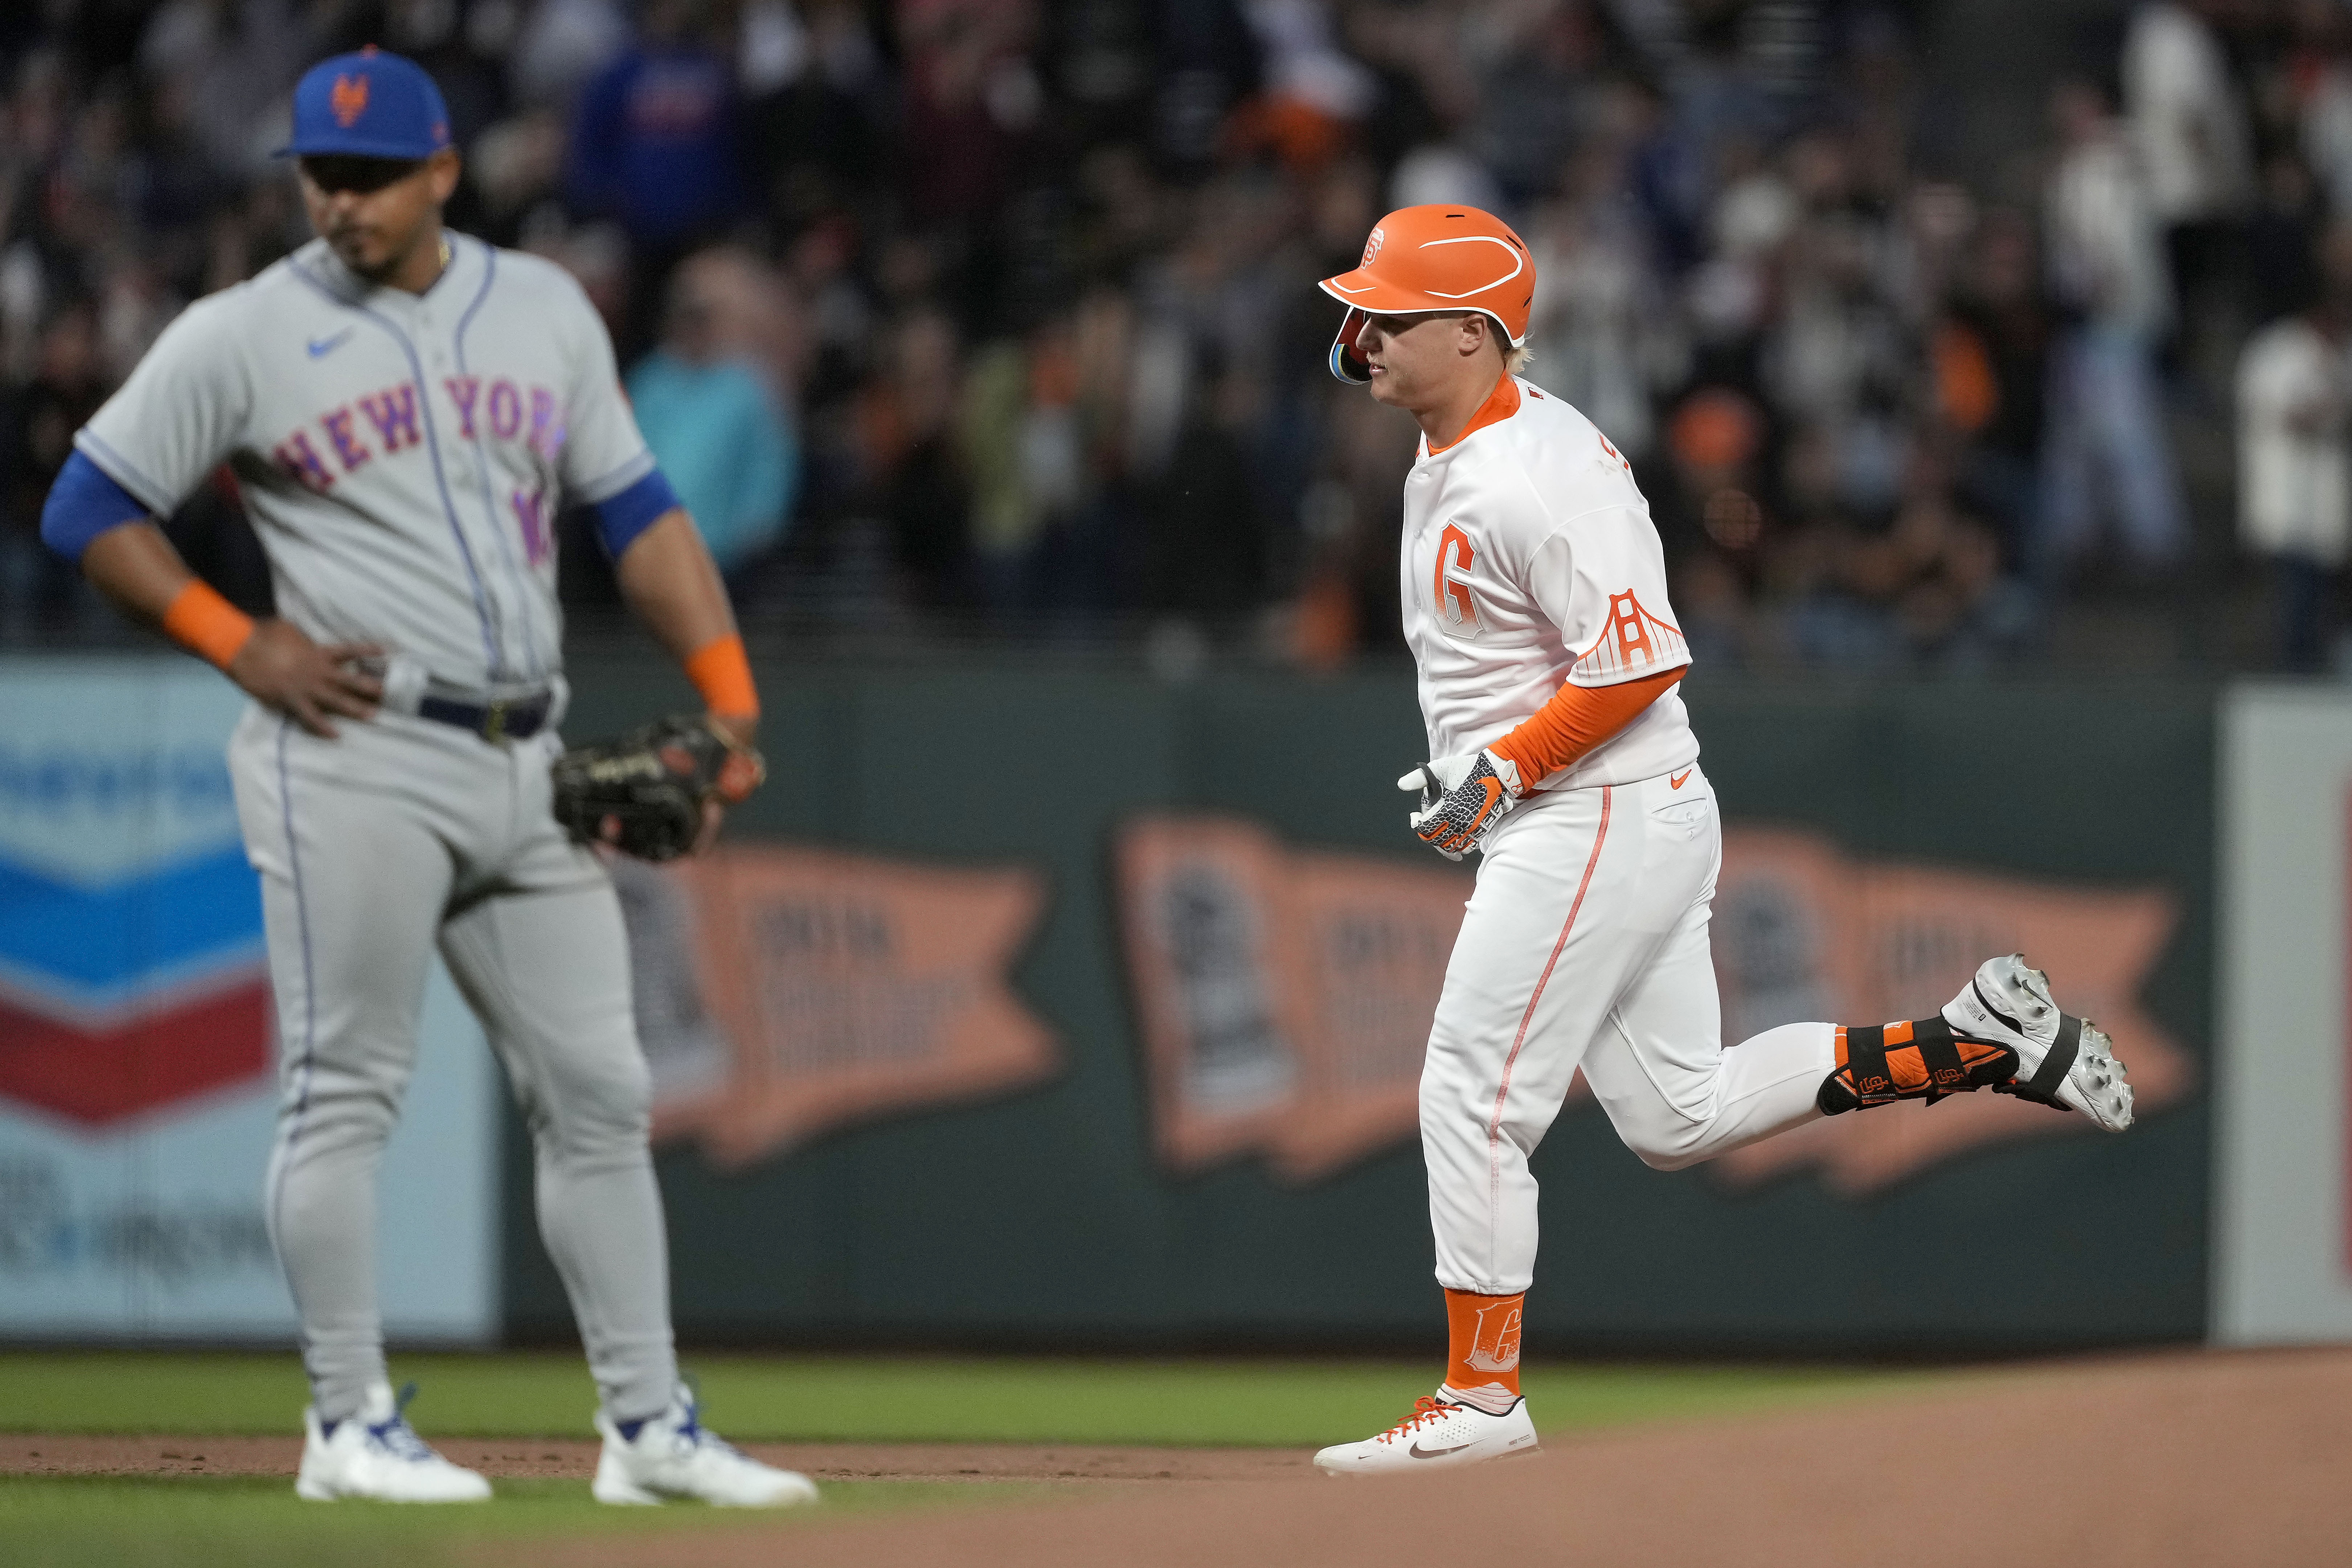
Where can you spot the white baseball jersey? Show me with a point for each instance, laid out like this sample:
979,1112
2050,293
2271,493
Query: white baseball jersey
1530,560
402,456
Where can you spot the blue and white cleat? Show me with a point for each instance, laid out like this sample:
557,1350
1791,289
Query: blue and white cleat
2062,1061
671,1457
376,1455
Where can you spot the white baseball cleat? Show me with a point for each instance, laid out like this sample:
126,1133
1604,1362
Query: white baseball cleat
375,1454
2061,1059
672,1456
1437,1435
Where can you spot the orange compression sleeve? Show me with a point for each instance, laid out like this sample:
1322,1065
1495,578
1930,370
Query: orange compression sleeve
723,675
1576,720
203,622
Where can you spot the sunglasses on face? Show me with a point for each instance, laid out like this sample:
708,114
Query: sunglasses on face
335,172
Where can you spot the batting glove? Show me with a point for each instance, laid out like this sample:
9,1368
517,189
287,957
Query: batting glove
1462,799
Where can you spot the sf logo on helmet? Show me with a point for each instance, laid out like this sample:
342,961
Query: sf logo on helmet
349,100
1372,248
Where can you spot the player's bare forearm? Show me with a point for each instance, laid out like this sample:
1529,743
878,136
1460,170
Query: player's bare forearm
139,569
674,587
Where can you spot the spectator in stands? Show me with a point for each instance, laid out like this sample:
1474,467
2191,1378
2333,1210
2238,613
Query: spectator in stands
37,588
1604,334
2000,323
655,147
2190,131
714,422
2294,467
2106,440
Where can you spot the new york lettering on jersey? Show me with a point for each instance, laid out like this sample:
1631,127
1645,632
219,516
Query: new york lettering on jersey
342,446
451,424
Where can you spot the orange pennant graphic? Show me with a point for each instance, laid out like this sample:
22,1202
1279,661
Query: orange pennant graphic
782,993
1284,997
1802,932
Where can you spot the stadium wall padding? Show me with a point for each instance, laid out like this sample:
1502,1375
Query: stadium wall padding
1041,1219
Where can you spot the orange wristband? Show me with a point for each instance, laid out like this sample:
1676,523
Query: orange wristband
723,675
203,622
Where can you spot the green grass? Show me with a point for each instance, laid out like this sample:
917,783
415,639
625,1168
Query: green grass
257,1522
209,1521
884,1398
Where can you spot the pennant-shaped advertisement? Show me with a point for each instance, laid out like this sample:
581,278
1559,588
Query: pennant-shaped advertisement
783,992
1803,932
1284,997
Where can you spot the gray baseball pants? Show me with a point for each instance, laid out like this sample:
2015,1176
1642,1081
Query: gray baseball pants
399,835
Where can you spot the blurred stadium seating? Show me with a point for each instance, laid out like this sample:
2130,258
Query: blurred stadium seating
1921,321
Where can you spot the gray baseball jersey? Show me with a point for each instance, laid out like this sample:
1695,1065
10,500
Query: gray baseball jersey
402,456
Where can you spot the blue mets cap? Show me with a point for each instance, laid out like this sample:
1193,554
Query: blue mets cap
368,105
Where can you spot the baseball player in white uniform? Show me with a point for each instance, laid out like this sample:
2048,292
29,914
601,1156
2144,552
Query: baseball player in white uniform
403,409
1536,605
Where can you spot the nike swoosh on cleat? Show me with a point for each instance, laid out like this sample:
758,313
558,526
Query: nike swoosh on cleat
1985,1003
321,347
1418,1452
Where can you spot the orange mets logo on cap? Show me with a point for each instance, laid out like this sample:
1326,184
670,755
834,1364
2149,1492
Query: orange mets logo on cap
348,100
1372,248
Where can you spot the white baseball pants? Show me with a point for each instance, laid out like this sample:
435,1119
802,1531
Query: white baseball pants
1585,945
402,835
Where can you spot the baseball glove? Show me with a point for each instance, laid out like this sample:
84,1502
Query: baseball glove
645,793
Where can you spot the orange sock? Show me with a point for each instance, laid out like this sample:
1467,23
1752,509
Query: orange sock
1483,1359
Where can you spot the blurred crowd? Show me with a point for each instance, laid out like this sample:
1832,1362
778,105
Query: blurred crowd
998,316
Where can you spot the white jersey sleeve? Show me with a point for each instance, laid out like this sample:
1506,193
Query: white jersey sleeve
604,453
1596,578
185,409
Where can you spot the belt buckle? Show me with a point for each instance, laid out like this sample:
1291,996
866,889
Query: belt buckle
494,721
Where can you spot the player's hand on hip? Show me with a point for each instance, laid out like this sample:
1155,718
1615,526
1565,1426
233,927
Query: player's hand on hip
281,669
1462,800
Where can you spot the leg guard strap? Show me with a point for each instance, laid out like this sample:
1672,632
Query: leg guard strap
2042,1087
1919,1059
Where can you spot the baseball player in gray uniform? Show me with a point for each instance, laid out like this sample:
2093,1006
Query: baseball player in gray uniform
403,409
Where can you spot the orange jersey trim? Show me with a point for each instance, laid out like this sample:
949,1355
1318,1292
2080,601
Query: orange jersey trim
1500,405
206,624
1576,720
723,673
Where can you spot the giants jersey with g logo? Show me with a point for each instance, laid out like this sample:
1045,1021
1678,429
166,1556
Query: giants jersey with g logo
402,456
1529,561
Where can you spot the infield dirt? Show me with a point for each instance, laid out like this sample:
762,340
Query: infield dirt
2180,1461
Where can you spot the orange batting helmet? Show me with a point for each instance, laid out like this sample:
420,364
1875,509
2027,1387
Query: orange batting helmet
1421,260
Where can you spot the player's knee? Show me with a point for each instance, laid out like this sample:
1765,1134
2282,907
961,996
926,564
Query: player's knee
598,1097
1663,1150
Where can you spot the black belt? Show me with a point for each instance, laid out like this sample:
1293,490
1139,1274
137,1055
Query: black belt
510,719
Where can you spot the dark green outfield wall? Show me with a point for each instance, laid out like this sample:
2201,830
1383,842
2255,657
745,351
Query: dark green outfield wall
1042,1220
